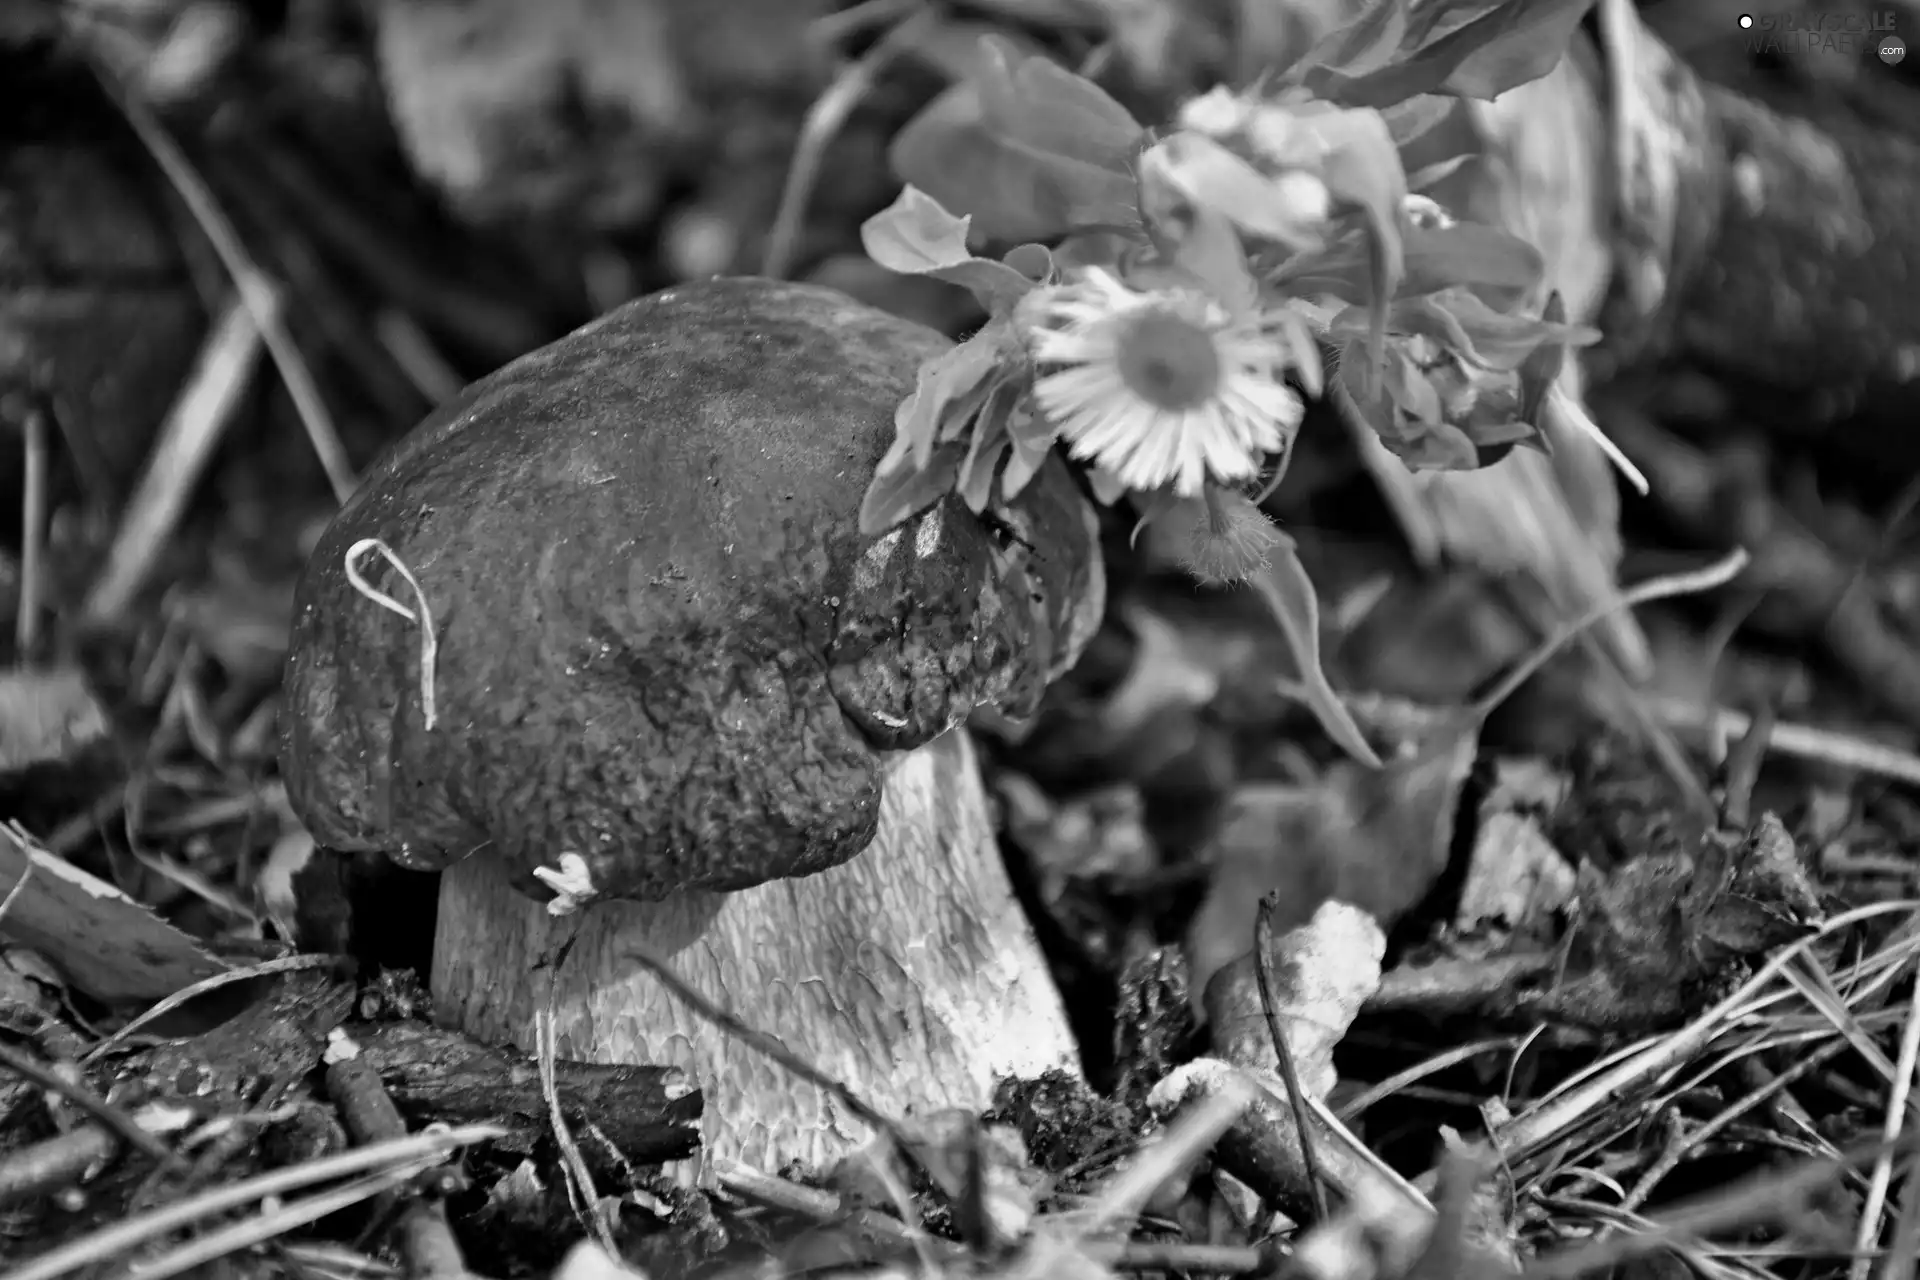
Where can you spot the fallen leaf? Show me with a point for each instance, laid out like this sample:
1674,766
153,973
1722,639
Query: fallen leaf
102,942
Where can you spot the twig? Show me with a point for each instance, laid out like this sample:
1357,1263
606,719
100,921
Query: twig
122,1237
1800,741
84,1098
276,1221
429,641
823,120
824,1207
266,968
1760,1194
34,1172
255,292
33,530
1289,1074
580,1189
193,429
1694,582
426,1240
19,886
1891,1128
1670,1159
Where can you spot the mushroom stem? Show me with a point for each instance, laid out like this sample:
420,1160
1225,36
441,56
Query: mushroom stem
908,973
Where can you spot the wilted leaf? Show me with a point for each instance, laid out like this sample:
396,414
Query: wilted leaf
915,236
905,491
1288,592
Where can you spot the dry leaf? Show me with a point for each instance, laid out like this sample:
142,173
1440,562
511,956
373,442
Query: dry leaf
102,942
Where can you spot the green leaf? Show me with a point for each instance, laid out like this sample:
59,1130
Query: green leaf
1150,506
1035,103
1288,593
948,387
1466,253
1195,240
1303,349
915,236
1034,261
1410,389
1365,44
1363,168
1428,176
1504,340
1031,439
1434,446
903,492
974,483
1542,367
1416,117
1208,175
1009,192
1510,43
1107,487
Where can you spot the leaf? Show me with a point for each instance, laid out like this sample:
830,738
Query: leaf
951,384
1434,446
1363,168
1416,117
1031,439
915,236
1469,253
1542,367
1034,261
1150,506
1366,44
1196,240
904,492
1303,350
1467,326
1505,340
1408,385
1107,487
1510,44
1428,176
1033,102
1288,592
1009,192
1212,177
974,483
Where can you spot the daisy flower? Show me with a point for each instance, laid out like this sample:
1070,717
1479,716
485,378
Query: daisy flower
1159,388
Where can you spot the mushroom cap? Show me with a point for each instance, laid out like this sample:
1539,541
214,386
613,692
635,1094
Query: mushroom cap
662,642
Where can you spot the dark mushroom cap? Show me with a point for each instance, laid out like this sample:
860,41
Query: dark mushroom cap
663,643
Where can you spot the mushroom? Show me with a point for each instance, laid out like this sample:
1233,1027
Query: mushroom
664,674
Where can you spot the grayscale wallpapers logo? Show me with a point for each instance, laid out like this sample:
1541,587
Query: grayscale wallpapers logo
1810,31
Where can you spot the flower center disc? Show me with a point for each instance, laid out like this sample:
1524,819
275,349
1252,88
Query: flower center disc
1169,362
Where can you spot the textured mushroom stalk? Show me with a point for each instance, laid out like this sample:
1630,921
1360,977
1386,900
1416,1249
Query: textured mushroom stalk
907,971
